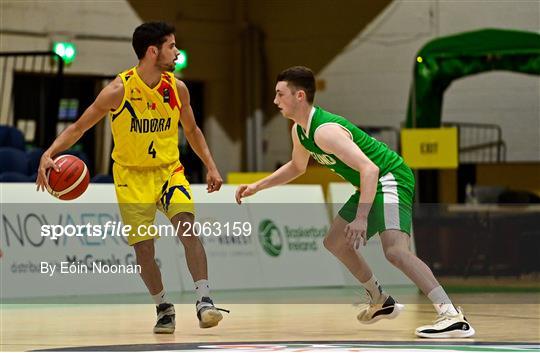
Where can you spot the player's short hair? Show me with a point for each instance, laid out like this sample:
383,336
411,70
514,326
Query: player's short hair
150,33
299,77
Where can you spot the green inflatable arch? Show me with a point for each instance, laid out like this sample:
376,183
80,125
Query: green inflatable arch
446,59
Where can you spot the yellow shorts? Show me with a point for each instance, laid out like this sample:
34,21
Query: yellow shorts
142,191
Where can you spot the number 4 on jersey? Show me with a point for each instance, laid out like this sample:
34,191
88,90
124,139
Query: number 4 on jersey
151,150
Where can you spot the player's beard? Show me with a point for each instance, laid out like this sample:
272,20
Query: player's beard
165,65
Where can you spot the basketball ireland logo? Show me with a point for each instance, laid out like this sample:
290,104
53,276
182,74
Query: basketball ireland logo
270,238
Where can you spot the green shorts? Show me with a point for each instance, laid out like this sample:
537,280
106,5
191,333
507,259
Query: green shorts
392,206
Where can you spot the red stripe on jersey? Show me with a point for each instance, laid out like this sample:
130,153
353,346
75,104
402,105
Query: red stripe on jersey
172,97
179,169
166,77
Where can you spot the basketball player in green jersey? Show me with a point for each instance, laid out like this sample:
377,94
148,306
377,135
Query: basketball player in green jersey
382,203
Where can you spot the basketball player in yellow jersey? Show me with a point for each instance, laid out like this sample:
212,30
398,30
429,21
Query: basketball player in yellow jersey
146,103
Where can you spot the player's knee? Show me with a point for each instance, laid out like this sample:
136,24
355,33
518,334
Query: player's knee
327,243
188,240
184,223
331,244
395,255
183,230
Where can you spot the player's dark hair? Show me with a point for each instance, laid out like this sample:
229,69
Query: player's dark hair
150,33
300,77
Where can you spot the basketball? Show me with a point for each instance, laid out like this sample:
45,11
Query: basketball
72,179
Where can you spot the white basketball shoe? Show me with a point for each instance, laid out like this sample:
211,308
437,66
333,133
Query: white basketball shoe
447,326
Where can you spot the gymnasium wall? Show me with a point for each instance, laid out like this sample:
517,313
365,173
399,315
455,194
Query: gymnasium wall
299,32
363,53
515,176
368,82
102,32
102,35
293,32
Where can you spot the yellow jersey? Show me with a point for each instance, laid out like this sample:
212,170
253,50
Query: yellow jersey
145,125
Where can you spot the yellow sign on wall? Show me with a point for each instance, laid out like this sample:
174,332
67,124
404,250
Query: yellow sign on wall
430,148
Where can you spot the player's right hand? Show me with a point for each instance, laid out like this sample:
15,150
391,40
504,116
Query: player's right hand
45,163
244,190
355,232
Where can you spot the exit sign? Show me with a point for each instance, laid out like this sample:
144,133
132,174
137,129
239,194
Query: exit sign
430,148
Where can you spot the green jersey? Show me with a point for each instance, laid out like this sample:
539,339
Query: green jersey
378,152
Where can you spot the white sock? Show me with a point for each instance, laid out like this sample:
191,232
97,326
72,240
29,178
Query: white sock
378,296
160,298
441,301
202,289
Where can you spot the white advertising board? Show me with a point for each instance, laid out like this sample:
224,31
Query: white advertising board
25,268
232,259
235,262
291,222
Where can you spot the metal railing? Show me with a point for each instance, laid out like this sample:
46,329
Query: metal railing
479,143
387,134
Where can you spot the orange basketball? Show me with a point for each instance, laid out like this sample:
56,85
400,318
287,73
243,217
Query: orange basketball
72,179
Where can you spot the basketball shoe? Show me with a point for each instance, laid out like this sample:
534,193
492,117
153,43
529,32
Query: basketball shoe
165,318
447,326
207,313
371,313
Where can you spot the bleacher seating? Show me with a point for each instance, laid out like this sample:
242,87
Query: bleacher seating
14,177
20,165
11,137
102,179
13,160
34,156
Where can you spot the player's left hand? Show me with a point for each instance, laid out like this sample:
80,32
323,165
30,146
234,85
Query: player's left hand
355,232
213,181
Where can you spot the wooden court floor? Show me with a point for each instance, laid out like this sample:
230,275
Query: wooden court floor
31,326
